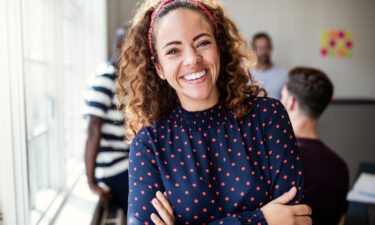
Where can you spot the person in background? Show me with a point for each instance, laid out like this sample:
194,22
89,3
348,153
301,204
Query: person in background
269,75
306,94
106,153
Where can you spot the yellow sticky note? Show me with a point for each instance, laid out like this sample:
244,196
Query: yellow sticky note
324,43
325,33
349,34
341,44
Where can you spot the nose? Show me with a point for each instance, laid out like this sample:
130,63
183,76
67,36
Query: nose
192,57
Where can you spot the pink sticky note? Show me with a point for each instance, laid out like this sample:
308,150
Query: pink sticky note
349,44
341,34
323,52
332,43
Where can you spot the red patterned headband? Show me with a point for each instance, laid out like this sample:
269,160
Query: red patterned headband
161,6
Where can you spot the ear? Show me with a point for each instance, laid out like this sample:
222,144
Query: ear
292,102
159,69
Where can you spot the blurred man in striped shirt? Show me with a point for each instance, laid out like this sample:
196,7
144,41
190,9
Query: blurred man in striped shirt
106,153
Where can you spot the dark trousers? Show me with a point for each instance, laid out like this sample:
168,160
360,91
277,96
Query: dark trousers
119,185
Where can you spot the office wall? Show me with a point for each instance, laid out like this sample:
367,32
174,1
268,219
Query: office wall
119,13
295,26
349,130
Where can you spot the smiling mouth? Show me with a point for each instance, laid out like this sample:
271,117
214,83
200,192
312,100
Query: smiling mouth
195,76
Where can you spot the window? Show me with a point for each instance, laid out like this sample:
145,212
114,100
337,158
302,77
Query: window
52,48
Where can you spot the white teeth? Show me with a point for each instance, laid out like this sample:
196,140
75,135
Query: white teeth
195,76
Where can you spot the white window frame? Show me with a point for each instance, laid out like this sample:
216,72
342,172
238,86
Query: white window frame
13,130
14,186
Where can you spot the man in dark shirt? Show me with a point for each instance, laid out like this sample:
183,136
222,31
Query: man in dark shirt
306,94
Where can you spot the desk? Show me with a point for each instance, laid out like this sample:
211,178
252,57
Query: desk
361,213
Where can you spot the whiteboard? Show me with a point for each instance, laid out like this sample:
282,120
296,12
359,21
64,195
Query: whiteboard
295,27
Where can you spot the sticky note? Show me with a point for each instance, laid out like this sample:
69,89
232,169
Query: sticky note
341,52
333,34
324,43
341,44
325,34
341,34
332,43
323,52
349,35
332,52
336,43
349,44
349,53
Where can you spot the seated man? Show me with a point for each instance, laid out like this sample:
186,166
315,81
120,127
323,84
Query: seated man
306,95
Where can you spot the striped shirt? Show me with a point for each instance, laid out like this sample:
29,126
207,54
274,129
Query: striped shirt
101,101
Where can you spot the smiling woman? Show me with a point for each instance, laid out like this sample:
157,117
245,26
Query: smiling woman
199,132
190,65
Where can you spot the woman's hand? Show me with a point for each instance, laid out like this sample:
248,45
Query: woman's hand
165,210
277,212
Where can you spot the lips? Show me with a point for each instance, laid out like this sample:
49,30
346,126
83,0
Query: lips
195,76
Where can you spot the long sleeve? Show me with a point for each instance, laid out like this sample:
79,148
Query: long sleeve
284,160
283,153
254,217
144,181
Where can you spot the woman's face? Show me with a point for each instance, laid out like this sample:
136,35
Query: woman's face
188,57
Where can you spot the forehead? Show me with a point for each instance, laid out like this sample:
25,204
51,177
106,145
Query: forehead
261,41
181,23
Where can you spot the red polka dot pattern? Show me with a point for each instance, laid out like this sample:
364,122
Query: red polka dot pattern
215,168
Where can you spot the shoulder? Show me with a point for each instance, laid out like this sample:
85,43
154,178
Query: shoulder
104,76
106,68
141,139
265,104
279,68
268,112
148,133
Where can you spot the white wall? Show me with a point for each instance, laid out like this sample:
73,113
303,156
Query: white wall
119,13
295,27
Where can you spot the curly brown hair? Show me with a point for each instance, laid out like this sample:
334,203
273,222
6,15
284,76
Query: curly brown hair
147,98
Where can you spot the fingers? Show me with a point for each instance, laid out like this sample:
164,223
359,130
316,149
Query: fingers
161,208
303,220
301,210
156,220
104,194
287,197
164,200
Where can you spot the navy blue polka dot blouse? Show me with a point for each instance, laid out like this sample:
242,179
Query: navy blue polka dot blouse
214,167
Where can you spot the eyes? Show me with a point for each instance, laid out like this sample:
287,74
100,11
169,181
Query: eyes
201,44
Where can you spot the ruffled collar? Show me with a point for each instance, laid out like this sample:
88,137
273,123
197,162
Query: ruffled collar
200,120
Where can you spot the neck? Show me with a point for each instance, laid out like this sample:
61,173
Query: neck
193,105
305,127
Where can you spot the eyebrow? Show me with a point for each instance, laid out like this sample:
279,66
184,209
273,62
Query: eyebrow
179,42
